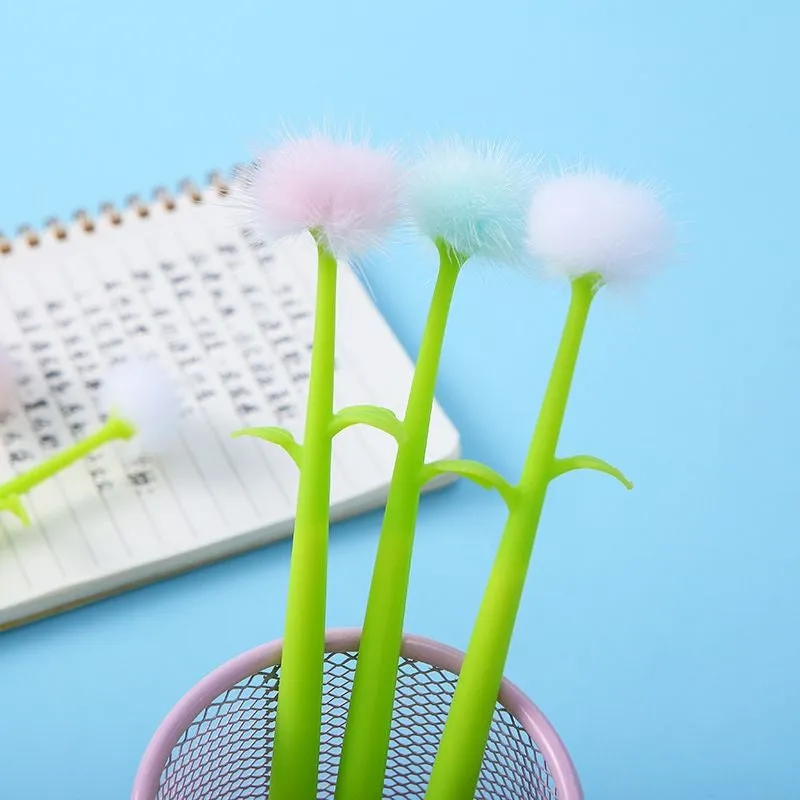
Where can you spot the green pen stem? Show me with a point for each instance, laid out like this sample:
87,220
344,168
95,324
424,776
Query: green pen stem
366,740
295,755
460,755
114,428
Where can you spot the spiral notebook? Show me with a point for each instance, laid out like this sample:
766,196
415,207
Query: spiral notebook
185,281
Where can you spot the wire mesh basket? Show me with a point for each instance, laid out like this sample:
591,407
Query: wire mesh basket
216,743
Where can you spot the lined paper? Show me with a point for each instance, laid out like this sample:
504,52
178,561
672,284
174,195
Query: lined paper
232,322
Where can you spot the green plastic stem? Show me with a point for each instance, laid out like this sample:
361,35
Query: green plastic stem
366,739
114,428
459,759
295,757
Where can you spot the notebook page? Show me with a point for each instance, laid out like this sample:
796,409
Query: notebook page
200,350
358,464
275,313
57,406
106,515
232,322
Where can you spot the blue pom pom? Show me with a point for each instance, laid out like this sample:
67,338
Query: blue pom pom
473,197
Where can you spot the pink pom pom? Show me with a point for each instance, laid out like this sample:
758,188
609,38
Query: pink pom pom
347,194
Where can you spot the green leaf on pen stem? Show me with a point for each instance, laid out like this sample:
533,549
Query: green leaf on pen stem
13,504
563,465
278,436
478,473
375,416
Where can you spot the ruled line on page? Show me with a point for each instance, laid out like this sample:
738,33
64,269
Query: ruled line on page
157,483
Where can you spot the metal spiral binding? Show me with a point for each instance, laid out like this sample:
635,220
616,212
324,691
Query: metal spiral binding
161,195
55,228
189,188
29,235
84,220
216,180
135,204
110,211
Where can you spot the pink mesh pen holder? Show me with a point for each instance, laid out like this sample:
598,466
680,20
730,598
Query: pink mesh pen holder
216,743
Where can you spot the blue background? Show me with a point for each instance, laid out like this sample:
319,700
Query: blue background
659,630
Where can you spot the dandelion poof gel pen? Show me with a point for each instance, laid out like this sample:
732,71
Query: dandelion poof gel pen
593,230
142,405
347,195
470,200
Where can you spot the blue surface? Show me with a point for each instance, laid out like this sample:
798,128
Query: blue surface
659,629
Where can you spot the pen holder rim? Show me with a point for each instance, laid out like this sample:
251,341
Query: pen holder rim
343,640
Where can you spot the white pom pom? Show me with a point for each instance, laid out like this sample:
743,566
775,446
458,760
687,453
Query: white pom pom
144,395
590,222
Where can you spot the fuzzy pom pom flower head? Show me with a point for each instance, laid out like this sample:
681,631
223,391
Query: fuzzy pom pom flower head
347,194
145,396
590,223
473,197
